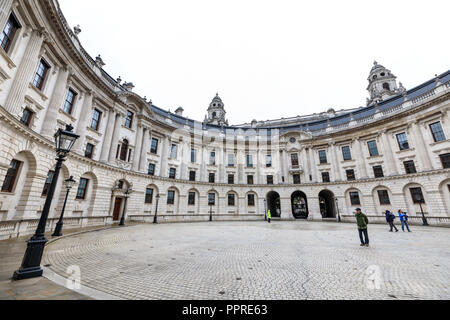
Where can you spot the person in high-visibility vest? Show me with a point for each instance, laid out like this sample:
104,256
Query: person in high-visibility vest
269,216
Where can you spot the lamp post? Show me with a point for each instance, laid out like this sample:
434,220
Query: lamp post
69,185
210,212
420,200
126,195
31,263
337,208
265,210
155,218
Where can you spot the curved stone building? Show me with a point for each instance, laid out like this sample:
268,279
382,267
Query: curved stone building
394,153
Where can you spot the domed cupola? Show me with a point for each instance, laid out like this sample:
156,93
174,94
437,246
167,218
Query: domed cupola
382,84
216,112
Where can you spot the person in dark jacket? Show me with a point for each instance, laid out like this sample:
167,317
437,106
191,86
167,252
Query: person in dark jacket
404,220
362,222
390,217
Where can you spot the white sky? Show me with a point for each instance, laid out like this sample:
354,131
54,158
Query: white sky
267,59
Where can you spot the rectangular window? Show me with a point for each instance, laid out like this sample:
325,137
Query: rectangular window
171,197
96,116
383,196
11,176
268,161
294,159
129,119
251,200
270,180
172,173
378,171
231,160
154,146
173,151
346,153
48,182
445,159
211,199
373,149
212,177
250,179
350,175
402,140
149,195
323,156
354,199
70,99
151,169
325,177
231,199
192,155
231,179
437,131
192,175
27,115
296,178
417,195
89,152
41,74
410,167
249,161
191,199
212,158
7,36
82,188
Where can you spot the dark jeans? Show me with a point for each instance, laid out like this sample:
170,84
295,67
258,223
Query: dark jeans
268,219
405,224
391,224
366,235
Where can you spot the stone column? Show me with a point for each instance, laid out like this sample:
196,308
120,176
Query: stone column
116,137
165,148
108,136
5,8
144,150
360,159
86,112
304,163
138,147
337,167
312,165
284,160
24,74
421,147
56,102
388,153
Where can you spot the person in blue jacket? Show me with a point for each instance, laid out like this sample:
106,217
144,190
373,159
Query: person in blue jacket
390,217
404,220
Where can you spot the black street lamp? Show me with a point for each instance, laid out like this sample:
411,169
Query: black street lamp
210,213
69,185
31,263
126,195
337,208
265,210
155,218
420,200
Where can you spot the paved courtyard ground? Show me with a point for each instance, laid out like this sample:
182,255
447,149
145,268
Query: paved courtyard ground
255,260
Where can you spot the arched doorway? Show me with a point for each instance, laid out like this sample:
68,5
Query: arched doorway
274,204
327,204
299,205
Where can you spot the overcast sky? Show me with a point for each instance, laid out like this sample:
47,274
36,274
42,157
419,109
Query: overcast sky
266,59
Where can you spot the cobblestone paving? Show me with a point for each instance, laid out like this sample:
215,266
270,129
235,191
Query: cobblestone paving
255,260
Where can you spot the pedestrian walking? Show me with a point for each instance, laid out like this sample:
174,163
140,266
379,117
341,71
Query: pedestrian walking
404,220
362,221
390,217
269,216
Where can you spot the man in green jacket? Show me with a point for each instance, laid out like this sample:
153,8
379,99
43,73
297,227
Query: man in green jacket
362,221
269,216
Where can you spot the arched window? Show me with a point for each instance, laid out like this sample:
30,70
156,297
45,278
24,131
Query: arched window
386,86
124,150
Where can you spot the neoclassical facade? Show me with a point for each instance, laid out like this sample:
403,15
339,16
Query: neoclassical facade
393,153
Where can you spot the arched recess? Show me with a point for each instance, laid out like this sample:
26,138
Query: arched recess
420,201
232,202
382,197
85,195
299,203
327,204
353,199
173,208
195,207
150,207
444,189
252,207
214,207
274,203
118,198
60,193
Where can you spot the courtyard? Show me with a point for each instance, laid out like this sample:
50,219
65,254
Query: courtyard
255,260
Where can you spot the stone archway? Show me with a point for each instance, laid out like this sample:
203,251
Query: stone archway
299,204
327,204
274,204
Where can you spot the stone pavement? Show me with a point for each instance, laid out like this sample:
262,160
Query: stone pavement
255,260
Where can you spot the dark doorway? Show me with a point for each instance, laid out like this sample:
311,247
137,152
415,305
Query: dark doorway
327,204
117,206
299,205
274,204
